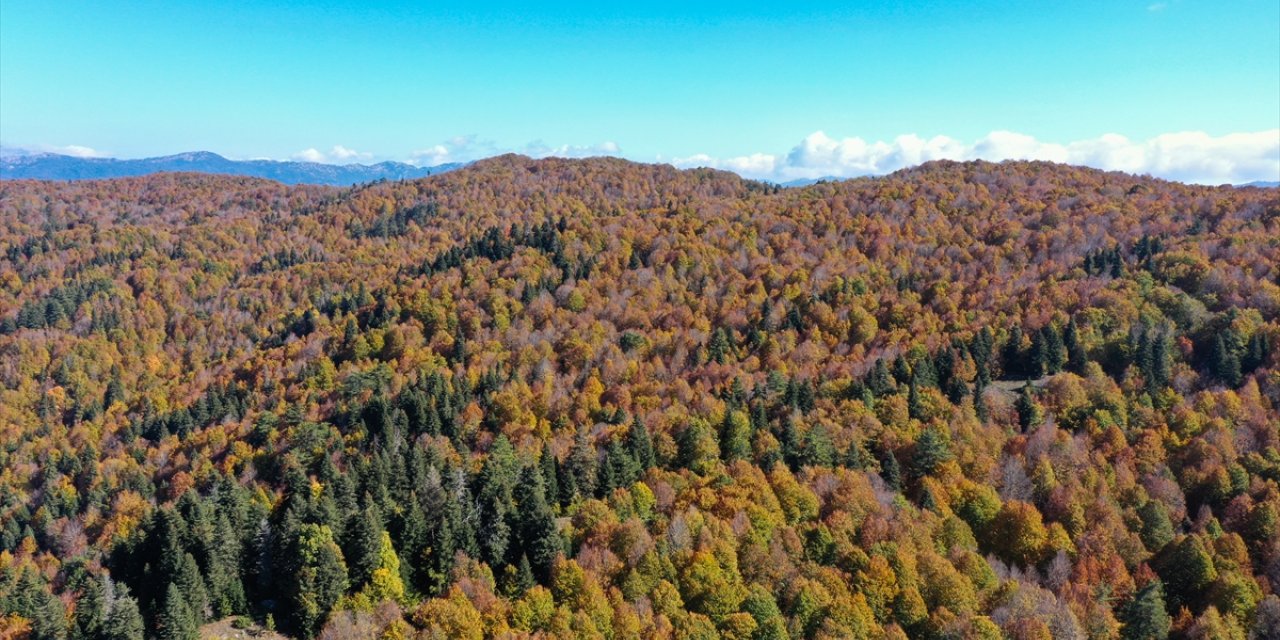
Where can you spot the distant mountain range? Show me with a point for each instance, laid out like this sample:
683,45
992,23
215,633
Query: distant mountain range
16,164
51,166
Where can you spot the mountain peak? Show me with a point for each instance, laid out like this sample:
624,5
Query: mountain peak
194,156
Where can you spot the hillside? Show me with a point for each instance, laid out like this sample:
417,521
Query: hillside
595,398
52,166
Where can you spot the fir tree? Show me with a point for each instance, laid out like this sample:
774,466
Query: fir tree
582,463
191,584
1029,411
1055,350
933,448
535,525
360,546
318,578
817,449
880,381
890,470
915,405
1223,362
718,348
1039,365
1012,355
1145,618
619,469
89,619
550,480
1256,351
1076,356
386,582
496,482
124,621
176,621
735,436
640,445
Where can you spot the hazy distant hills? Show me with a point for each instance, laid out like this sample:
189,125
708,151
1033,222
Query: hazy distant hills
16,164
50,166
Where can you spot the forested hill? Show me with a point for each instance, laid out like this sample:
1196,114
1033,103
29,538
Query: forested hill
600,399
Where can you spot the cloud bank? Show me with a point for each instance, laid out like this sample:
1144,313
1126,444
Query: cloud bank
1191,156
337,155
467,148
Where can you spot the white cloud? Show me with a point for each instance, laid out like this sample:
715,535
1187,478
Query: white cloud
468,148
309,155
1186,156
338,154
74,150
456,149
538,149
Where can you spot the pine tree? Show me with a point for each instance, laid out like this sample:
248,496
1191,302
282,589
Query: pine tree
1012,356
619,469
547,468
640,445
1187,568
933,448
817,449
1256,351
880,381
923,373
979,401
1223,362
1160,367
582,463
735,436
1145,618
360,547
718,349
1076,356
496,482
901,370
412,536
260,575
915,405
191,584
318,578
437,558
790,441
1039,355
1157,529
176,621
890,470
1029,412
535,525
1055,350
386,582
524,575
124,621
89,618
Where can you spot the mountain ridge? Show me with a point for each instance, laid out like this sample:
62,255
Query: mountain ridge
52,166
24,165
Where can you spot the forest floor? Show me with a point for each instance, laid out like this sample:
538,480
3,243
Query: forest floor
1012,386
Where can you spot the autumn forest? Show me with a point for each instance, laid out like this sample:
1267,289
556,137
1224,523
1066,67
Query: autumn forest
601,399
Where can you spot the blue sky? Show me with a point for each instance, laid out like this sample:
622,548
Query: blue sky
744,85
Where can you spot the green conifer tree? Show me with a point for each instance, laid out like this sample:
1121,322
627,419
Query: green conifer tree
176,621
